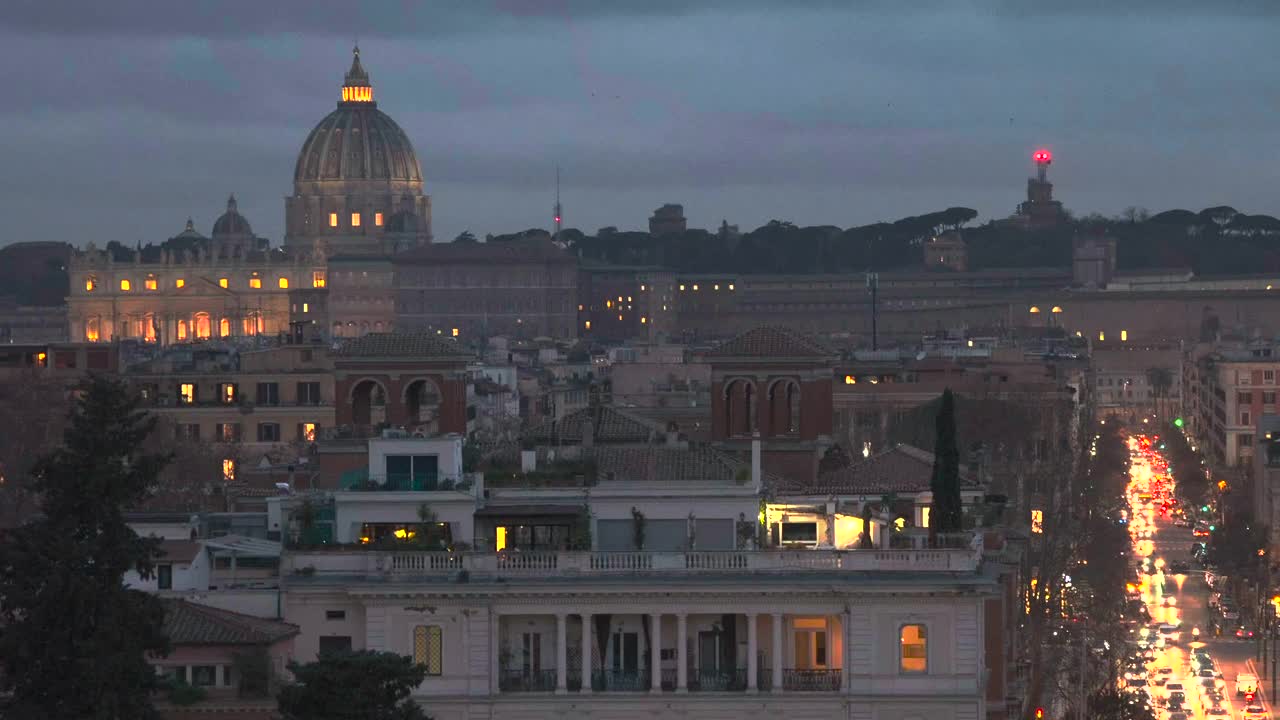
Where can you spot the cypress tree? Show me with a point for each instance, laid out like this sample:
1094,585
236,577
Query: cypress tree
945,514
75,640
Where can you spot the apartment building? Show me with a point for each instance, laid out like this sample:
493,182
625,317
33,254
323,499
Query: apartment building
1227,388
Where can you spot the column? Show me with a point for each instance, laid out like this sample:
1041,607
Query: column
846,623
777,653
655,632
495,653
682,653
586,652
753,669
562,655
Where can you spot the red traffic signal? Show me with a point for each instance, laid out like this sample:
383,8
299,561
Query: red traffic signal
1039,713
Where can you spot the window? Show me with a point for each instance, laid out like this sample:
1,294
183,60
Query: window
227,432
428,648
90,284
1269,398
308,393
228,469
227,393
164,577
223,282
188,431
306,308
913,649
335,614
268,432
1245,418
333,219
1244,398
204,675
306,432
268,393
1268,376
800,532
317,278
255,282
179,283
355,219
224,327
254,324
335,644
151,283
377,219
283,283
125,285
1245,440
187,393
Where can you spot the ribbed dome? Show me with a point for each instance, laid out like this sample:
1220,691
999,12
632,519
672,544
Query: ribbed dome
231,222
357,141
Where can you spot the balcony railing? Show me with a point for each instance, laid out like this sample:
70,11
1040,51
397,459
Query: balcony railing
621,680
404,482
622,564
527,681
718,680
811,680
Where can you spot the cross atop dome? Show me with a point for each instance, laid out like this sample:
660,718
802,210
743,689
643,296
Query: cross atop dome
355,86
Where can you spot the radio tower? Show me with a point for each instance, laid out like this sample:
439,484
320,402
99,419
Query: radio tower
558,216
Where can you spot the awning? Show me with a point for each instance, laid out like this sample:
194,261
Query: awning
527,510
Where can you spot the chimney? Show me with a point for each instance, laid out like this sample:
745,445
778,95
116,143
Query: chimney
755,461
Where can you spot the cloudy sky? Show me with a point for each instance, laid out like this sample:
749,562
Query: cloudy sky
123,118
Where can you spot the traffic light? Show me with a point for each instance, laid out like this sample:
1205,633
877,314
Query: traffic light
1177,422
1204,508
1039,713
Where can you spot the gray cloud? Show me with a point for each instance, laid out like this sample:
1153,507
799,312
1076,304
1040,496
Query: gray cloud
133,118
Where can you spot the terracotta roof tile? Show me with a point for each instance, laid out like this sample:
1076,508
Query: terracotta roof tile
667,464
771,341
188,623
180,551
403,345
609,425
901,469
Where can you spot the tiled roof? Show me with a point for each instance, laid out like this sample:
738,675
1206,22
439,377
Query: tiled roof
609,425
901,469
512,251
770,341
188,623
667,463
402,345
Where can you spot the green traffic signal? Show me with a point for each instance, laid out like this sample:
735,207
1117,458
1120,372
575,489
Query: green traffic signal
1204,508
1177,422
1212,528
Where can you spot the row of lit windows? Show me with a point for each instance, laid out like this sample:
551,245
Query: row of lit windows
356,220
199,328
695,286
152,283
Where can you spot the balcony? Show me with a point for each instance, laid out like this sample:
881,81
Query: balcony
527,681
811,680
621,680
718,680
579,564
362,481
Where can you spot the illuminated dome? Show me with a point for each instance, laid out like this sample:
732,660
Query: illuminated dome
357,141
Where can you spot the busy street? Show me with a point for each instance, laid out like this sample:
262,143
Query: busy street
1194,654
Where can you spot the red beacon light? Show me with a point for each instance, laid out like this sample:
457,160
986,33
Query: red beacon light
1042,156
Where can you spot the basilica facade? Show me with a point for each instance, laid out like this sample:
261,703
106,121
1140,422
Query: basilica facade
358,191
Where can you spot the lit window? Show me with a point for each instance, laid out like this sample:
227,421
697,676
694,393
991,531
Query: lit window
501,542
716,286
305,308
608,303
255,282
681,288
187,393
695,288
913,645
151,283
730,286
283,283
587,324
1034,309
355,219
317,278
377,219
428,648
1124,335
149,327
224,327
628,298
228,392
223,282
1056,309
228,469
455,332
333,219
309,432
182,329
91,330
90,284
641,288
42,359
643,320
125,285
619,318
179,283
1101,336
579,308
202,327
850,380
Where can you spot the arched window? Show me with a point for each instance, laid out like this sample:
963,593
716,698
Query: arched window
255,281
91,329
182,329
149,327
91,283
283,283
253,323
224,327
203,329
151,283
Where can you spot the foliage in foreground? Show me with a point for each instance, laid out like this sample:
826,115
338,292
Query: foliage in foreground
367,685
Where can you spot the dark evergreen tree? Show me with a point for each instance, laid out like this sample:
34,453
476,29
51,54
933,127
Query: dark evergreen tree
75,639
946,514
368,685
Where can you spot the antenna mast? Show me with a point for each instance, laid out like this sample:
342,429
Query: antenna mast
558,215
